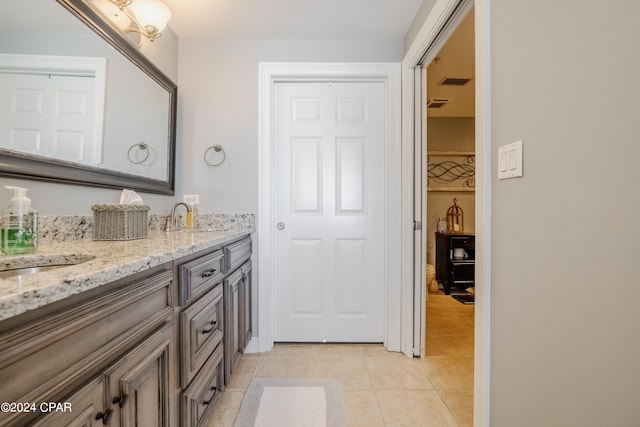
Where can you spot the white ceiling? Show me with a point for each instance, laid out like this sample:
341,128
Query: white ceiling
292,19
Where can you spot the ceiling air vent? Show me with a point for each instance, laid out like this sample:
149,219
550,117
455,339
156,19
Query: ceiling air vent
451,81
437,102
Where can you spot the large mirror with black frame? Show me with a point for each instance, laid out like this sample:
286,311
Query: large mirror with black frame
80,104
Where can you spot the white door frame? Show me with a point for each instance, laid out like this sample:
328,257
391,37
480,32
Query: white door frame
436,20
390,74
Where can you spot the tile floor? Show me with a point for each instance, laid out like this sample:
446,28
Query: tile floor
381,388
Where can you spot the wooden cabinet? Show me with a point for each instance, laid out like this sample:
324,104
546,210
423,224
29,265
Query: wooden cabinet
237,295
455,260
59,351
201,338
215,326
140,351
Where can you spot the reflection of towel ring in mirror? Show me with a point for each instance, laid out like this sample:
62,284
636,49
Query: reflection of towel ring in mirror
217,148
141,146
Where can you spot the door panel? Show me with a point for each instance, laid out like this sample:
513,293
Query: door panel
306,166
350,269
329,207
50,116
350,187
306,277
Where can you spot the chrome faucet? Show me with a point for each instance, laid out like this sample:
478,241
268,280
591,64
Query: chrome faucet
172,221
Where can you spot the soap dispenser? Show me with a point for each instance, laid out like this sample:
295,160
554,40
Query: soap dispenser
19,224
192,200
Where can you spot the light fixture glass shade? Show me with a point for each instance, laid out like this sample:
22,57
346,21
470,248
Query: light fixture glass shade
151,14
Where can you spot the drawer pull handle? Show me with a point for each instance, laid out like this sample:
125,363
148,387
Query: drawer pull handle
120,400
209,273
104,416
213,328
206,402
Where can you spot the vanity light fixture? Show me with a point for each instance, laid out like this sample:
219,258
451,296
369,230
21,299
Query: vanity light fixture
150,17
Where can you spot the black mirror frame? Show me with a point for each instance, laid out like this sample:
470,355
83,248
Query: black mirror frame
24,166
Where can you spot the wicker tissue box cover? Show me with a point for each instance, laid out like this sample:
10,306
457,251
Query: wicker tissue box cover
120,222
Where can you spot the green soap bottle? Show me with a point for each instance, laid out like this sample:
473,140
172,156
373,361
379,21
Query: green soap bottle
19,224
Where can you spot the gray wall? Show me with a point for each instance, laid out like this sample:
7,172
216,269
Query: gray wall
218,104
59,199
417,23
565,317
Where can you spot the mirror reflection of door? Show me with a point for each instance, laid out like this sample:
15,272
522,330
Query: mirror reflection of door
52,113
138,105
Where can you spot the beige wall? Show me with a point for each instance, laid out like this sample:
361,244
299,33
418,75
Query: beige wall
565,318
449,134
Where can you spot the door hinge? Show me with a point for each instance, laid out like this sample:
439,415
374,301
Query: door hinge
417,225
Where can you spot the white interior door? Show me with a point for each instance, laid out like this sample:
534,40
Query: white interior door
329,211
49,115
421,294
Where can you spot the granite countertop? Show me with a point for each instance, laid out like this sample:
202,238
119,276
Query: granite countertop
111,260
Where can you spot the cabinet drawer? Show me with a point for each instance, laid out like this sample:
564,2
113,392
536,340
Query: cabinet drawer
199,399
201,331
237,253
200,275
463,242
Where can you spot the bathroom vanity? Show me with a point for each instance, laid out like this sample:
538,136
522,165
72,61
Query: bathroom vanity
144,332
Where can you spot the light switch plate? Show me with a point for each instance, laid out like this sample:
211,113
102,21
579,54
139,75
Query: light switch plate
510,160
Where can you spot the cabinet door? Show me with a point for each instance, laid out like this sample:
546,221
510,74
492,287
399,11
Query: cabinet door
245,305
233,335
84,408
138,383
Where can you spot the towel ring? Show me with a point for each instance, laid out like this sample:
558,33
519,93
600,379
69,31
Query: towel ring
218,148
141,146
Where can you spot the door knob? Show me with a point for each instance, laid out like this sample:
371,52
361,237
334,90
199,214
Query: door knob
280,226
